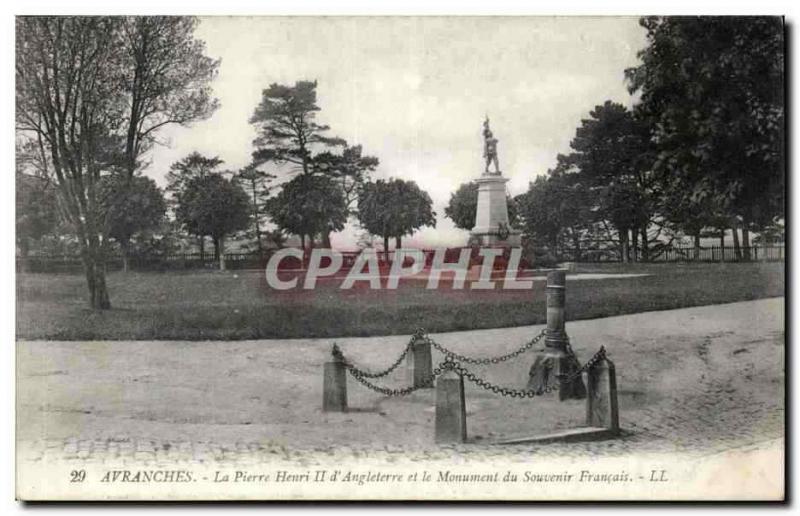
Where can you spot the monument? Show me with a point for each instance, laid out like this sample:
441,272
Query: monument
492,227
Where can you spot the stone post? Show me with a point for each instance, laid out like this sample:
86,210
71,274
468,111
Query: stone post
554,360
601,402
451,411
556,336
334,383
419,364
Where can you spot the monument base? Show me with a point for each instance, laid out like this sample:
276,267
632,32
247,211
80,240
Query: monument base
492,239
492,226
545,371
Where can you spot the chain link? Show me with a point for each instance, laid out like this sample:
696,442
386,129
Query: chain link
427,382
503,391
418,335
380,374
529,393
452,362
600,355
484,361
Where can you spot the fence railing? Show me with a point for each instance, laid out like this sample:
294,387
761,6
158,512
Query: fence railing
239,261
176,262
771,253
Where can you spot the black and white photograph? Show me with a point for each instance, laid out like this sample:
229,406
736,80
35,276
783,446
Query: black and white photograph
400,258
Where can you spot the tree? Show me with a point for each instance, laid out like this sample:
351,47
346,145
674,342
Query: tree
140,208
68,110
350,171
288,134
394,208
191,167
85,101
36,211
612,155
215,206
463,206
309,205
287,128
166,76
713,88
257,182
557,209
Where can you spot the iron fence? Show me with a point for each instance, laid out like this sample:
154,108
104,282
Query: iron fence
770,253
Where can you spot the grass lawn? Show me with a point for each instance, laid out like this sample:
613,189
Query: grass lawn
238,305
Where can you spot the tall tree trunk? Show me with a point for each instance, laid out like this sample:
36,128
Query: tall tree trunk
746,240
94,266
722,244
202,249
576,243
623,236
635,239
255,220
125,248
216,248
326,239
645,245
221,252
303,241
697,245
398,242
737,250
24,251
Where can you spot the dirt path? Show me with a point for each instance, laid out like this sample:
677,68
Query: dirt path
696,380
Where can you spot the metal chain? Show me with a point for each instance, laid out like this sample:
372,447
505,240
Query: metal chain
483,361
450,364
380,374
418,335
427,382
600,355
503,391
526,393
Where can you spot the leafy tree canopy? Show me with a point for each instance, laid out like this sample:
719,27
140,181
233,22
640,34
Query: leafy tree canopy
193,166
132,205
288,131
212,205
394,208
309,205
713,88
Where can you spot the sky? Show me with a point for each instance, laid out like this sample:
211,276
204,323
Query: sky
414,91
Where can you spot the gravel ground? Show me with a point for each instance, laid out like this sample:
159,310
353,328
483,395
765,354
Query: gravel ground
696,381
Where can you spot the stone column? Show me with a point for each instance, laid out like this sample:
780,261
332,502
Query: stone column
334,383
601,402
451,410
554,360
419,364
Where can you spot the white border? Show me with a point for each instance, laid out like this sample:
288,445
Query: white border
305,7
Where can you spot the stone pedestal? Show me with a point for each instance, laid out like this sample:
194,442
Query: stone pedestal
554,360
334,385
451,410
546,369
491,218
419,364
601,402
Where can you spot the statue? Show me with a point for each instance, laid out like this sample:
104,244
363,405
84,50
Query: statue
490,148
